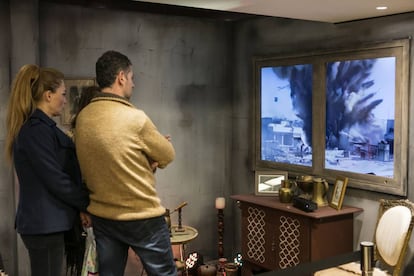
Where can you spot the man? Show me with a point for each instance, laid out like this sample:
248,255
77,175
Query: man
118,149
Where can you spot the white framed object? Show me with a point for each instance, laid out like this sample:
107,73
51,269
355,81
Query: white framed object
268,183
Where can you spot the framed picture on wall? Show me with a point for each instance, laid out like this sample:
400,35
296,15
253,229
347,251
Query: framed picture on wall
74,88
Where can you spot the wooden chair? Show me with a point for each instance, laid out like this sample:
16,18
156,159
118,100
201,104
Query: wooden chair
393,232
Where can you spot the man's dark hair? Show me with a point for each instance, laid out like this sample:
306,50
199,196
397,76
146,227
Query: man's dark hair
109,65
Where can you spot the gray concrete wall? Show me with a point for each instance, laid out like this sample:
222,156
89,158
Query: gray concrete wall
182,78
7,233
183,82
276,36
194,81
22,47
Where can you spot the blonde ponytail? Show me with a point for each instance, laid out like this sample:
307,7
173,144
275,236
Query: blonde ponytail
28,87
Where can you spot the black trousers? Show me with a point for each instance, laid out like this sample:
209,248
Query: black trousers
46,253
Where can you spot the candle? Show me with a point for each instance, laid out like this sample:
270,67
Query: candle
220,203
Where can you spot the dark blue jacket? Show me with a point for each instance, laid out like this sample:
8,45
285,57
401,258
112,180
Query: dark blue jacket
51,192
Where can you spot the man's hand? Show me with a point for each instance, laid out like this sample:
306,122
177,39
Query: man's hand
154,166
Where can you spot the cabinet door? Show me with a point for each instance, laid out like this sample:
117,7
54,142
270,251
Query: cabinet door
293,233
274,239
257,235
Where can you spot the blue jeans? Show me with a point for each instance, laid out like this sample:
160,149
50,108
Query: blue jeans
149,238
46,253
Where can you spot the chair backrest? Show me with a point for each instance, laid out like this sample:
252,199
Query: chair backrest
393,232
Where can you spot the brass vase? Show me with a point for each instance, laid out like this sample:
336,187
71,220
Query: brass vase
285,195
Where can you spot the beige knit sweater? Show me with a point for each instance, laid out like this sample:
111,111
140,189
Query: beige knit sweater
114,141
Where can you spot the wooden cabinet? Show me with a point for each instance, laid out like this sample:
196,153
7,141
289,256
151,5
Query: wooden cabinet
277,235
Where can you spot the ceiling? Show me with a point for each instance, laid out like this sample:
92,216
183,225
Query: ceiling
333,11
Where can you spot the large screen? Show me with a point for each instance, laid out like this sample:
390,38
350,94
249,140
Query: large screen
286,114
332,114
360,114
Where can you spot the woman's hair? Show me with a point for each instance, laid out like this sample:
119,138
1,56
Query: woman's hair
85,98
28,87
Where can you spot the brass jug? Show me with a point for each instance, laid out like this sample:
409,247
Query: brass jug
286,191
305,184
320,190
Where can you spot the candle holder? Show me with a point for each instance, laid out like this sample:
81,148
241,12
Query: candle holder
180,227
220,228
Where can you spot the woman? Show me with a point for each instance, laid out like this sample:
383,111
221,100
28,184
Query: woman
51,192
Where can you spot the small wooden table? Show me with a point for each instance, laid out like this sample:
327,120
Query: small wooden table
182,237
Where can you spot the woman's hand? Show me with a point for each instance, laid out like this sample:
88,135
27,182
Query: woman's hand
85,219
